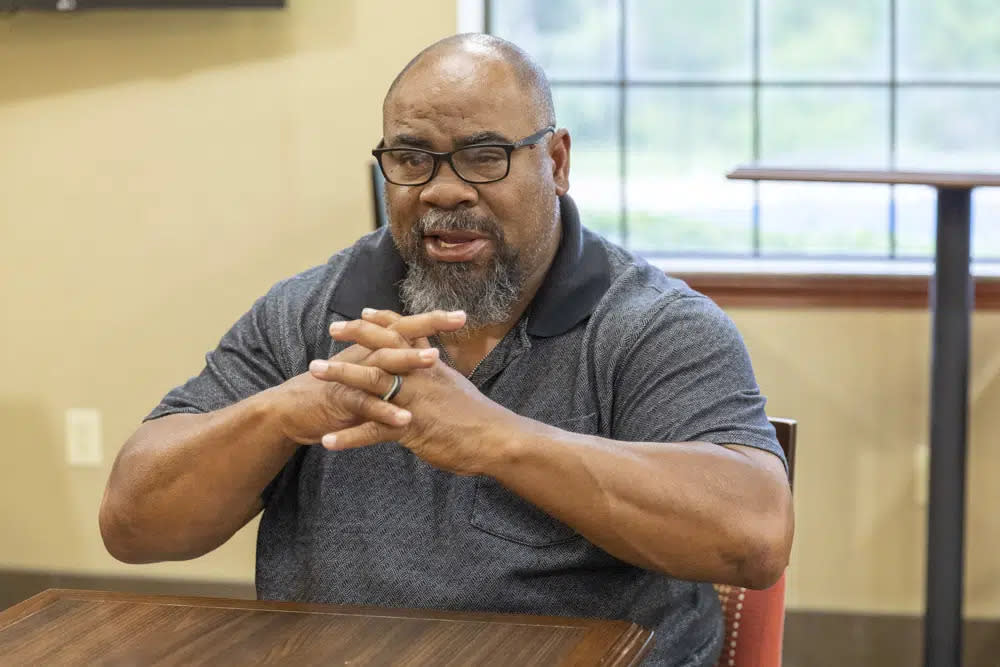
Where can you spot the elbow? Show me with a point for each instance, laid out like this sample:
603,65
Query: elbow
763,569
131,535
119,515
765,550
119,535
128,534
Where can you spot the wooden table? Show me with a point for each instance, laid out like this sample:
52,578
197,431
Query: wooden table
66,627
951,302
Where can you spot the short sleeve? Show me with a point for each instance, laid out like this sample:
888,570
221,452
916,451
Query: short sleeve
246,361
687,377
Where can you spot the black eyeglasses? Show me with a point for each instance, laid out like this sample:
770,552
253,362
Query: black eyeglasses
479,163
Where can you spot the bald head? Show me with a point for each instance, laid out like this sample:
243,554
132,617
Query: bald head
487,51
472,237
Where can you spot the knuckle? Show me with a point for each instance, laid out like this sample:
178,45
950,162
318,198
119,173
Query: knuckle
372,374
374,407
355,401
409,360
333,391
336,403
399,340
409,322
377,359
390,315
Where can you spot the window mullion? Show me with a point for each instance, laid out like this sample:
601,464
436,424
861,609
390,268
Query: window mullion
893,124
622,124
755,120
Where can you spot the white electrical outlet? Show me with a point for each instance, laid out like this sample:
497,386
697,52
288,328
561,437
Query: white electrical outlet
83,437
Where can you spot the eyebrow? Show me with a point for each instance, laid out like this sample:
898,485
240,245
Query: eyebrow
409,140
486,137
483,138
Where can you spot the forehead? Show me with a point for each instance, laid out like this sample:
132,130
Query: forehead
454,94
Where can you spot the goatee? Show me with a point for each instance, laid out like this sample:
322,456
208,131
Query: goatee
486,292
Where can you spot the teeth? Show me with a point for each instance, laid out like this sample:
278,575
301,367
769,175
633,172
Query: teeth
445,244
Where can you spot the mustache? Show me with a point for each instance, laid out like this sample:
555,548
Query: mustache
449,221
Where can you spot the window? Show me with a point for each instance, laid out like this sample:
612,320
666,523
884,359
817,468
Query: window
662,97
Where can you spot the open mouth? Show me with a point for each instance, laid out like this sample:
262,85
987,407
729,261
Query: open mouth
456,245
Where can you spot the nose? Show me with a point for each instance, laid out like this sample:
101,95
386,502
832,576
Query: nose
446,190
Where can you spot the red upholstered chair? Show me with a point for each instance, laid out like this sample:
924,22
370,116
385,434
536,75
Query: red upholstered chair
755,620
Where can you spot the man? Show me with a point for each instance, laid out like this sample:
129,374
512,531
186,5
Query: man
554,427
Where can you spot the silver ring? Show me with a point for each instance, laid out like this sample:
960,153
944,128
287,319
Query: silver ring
397,384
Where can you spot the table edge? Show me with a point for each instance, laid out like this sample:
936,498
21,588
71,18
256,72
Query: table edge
38,602
26,608
630,648
620,643
962,180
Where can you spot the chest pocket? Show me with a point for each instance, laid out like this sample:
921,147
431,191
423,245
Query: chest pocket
504,514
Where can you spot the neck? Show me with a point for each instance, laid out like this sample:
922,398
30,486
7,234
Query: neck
467,349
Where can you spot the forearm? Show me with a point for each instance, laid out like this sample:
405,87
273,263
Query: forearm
693,510
184,483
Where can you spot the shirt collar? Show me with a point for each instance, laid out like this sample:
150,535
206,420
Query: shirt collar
577,280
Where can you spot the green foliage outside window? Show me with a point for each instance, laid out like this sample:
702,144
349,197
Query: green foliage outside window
827,93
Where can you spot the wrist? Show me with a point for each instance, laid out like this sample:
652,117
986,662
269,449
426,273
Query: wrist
509,442
269,410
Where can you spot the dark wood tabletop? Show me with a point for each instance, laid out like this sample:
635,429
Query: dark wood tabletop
68,627
940,179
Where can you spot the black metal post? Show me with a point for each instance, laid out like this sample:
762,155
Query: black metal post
951,300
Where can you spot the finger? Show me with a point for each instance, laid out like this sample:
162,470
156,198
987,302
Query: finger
368,334
368,408
388,359
388,319
401,362
371,379
355,354
362,435
430,324
415,328
385,318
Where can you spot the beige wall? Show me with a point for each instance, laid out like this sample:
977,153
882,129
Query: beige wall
857,381
158,171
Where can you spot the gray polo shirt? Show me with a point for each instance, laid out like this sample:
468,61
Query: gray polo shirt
609,346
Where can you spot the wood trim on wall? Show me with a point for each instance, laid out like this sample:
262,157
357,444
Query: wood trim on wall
780,290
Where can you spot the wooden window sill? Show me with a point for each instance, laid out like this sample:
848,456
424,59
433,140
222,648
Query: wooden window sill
792,290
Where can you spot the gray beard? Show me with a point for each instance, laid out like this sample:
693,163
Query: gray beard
487,293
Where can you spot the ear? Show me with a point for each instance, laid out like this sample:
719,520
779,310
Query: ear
559,152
